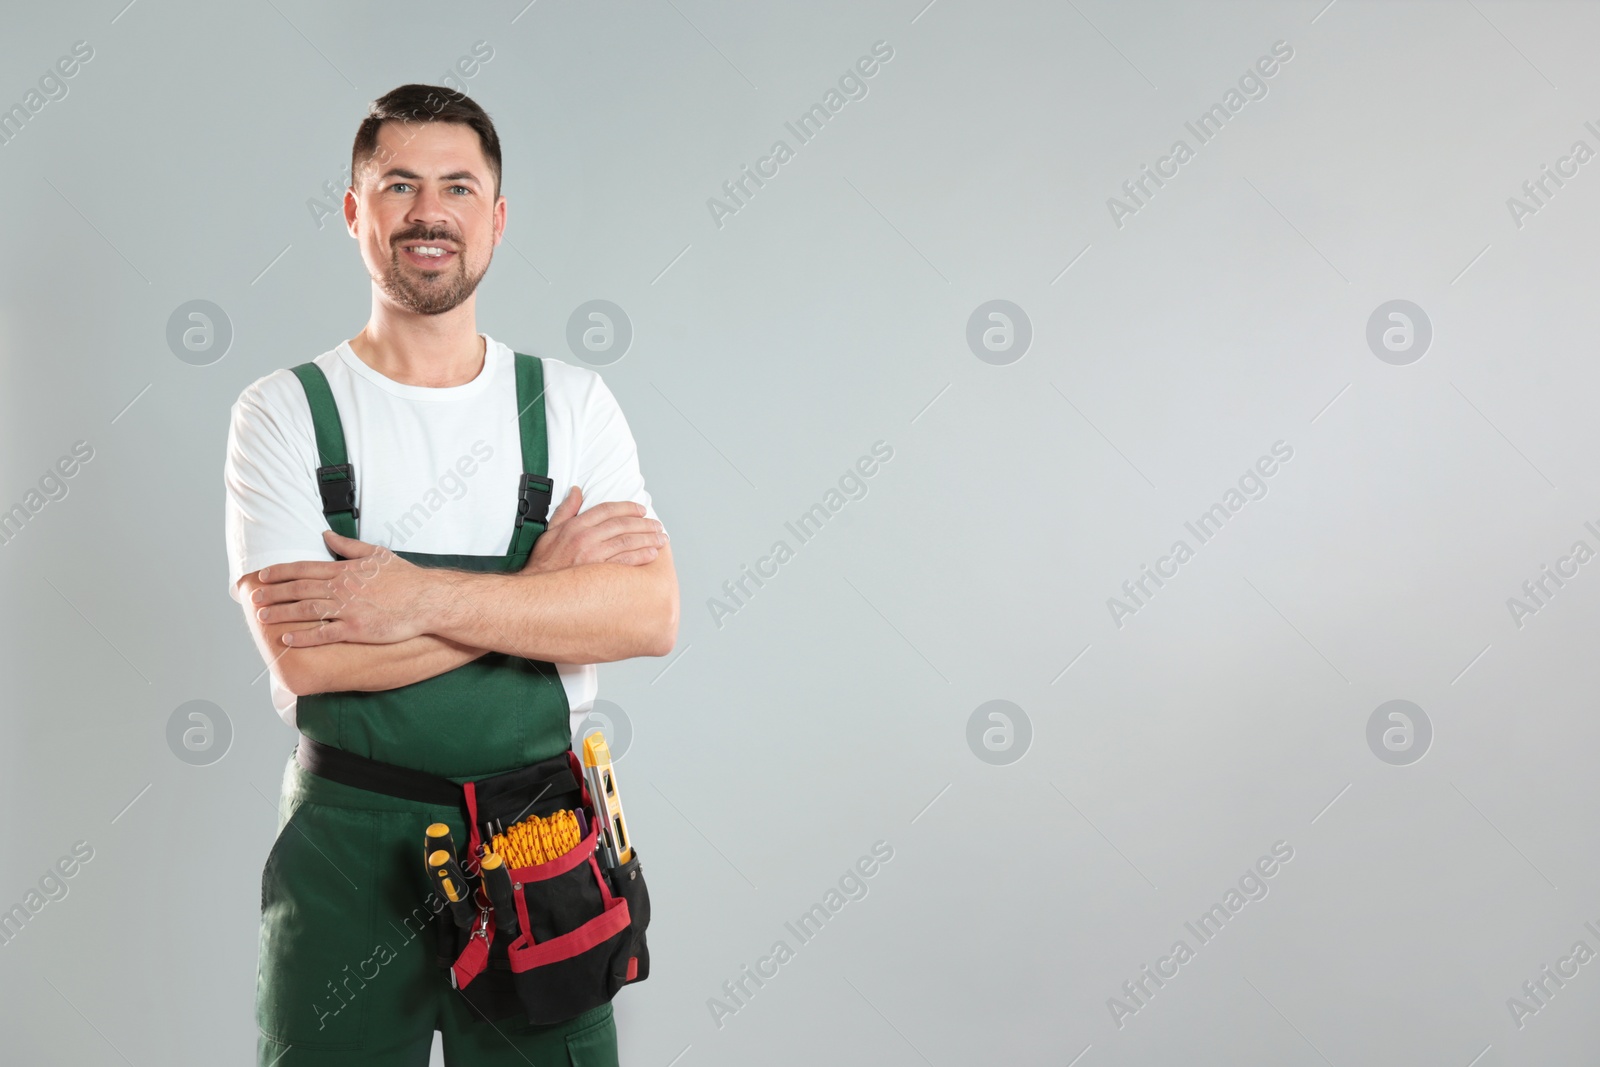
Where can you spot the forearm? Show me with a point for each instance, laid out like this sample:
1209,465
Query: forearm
591,613
345,665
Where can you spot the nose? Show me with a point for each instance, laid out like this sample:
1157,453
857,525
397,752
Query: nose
428,209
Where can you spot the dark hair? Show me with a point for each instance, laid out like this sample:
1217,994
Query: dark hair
425,103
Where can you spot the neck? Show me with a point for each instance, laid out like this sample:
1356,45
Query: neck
436,351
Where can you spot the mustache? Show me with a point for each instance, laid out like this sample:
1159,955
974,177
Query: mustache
426,235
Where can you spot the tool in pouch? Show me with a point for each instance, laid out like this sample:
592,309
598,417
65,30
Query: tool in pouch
555,916
602,785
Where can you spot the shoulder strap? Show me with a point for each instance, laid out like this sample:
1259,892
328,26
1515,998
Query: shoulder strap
335,478
534,489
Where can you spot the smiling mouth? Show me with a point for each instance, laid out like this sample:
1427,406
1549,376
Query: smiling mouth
428,256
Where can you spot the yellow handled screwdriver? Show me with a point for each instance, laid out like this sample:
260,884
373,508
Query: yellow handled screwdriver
497,880
437,837
453,884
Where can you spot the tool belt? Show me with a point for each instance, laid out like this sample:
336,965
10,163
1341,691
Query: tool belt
580,930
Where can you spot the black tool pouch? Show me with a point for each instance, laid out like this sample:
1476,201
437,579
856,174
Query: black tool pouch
580,927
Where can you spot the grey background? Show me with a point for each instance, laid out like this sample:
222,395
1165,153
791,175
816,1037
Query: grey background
769,354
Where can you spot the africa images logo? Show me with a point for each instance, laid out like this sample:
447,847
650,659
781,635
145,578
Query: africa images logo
852,85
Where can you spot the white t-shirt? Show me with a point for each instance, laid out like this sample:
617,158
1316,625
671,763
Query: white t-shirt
436,470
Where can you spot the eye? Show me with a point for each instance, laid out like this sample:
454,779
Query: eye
397,185
463,188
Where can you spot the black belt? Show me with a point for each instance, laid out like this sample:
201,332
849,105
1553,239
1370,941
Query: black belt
544,784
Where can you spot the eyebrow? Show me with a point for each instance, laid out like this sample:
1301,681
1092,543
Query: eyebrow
398,172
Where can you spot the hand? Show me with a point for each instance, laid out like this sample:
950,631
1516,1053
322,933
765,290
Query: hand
371,597
613,532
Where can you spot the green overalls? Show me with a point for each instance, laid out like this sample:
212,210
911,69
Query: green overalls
347,972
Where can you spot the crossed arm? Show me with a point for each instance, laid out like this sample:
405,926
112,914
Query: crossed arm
599,587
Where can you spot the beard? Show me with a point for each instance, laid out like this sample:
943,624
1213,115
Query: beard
428,292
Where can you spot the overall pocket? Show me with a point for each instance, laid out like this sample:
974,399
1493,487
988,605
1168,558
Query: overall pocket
572,929
595,1045
316,929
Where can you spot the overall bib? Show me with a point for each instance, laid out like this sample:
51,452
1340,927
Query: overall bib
347,970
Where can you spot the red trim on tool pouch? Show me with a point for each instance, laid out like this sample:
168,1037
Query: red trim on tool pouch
561,864
601,928
474,843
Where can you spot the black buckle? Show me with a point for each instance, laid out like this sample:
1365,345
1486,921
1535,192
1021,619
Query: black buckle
533,498
338,494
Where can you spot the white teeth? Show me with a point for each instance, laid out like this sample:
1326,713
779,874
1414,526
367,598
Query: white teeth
428,250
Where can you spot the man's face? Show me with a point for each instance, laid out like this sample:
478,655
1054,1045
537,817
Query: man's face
427,185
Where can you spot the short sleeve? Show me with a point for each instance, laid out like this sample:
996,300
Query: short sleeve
274,510
607,462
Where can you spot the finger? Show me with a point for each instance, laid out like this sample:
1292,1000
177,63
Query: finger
300,589
636,557
626,524
566,509
309,568
611,509
348,547
299,611
612,546
598,544
326,634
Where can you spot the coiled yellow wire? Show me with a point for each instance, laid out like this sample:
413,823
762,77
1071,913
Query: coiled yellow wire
536,840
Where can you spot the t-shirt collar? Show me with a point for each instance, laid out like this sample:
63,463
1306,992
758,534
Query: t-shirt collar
492,356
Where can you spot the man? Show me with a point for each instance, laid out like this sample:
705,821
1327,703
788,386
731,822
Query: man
466,653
